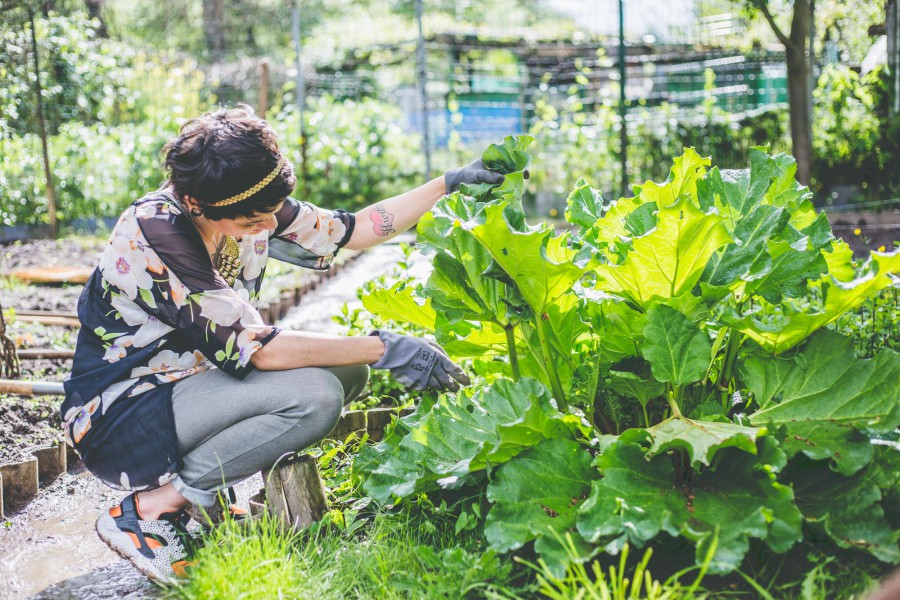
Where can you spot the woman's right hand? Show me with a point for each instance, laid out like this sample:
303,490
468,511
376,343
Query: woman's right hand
417,363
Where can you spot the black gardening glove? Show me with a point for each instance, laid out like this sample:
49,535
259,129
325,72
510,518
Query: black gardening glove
418,363
472,174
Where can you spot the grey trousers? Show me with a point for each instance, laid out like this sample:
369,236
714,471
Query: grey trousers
228,429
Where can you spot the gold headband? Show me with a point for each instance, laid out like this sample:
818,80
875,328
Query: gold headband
244,195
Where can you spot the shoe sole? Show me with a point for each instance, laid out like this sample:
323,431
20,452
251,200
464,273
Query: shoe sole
121,544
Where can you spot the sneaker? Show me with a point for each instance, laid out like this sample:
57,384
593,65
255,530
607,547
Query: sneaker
157,548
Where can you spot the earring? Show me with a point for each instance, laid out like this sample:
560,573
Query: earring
195,212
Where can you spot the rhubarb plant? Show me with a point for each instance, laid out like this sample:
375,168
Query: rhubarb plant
664,366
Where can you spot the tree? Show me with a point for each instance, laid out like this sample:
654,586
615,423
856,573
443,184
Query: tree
795,43
214,29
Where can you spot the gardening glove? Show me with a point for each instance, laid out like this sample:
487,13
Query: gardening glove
418,363
473,173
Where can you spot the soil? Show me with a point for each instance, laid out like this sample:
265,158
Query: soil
73,251
27,424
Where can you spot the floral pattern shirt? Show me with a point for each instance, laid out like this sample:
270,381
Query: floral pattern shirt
154,312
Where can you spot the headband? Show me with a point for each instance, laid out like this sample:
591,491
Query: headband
244,195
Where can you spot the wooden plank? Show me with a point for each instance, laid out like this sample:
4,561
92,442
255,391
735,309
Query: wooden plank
47,313
58,274
351,421
20,483
45,353
49,320
379,418
303,491
30,388
51,462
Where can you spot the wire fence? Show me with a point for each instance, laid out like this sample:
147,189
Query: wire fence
687,79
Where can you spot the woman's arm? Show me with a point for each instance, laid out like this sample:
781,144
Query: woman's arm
295,349
389,218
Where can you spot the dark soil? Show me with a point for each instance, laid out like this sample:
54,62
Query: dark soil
70,251
27,424
30,423
80,252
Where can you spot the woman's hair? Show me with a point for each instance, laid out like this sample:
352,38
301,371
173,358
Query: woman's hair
225,153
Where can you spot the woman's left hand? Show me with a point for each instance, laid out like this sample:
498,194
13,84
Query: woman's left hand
473,173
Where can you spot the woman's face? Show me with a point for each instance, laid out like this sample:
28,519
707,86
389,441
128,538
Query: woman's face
245,226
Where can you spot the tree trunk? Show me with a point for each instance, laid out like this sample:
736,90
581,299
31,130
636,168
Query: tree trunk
798,90
214,29
799,105
95,11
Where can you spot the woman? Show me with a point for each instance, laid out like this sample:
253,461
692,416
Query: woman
178,389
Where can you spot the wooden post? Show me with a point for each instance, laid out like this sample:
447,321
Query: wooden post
295,493
263,87
48,176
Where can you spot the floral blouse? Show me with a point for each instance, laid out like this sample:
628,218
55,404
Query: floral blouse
156,311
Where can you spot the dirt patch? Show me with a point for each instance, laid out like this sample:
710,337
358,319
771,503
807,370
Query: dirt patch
69,251
27,424
72,251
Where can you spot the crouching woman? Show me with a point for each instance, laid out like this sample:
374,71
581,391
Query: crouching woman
178,388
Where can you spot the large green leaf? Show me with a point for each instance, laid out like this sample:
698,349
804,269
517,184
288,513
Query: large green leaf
634,386
820,440
789,267
734,263
701,439
669,260
399,304
769,180
462,433
441,230
536,496
678,351
448,287
848,508
468,340
825,382
584,206
681,184
542,267
780,328
619,327
509,156
739,499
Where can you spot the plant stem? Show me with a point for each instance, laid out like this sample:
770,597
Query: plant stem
555,383
676,412
513,354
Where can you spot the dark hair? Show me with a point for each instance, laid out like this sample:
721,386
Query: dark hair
224,153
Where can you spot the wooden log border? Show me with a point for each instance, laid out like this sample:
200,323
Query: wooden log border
20,482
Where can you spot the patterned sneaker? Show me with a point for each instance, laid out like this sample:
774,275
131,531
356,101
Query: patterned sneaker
157,548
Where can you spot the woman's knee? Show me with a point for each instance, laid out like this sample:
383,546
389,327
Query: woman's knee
354,379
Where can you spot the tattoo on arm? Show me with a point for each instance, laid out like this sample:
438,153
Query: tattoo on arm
383,220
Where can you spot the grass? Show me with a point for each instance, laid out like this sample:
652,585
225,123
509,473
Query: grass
398,556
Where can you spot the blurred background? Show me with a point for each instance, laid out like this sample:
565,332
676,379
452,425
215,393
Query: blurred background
372,97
